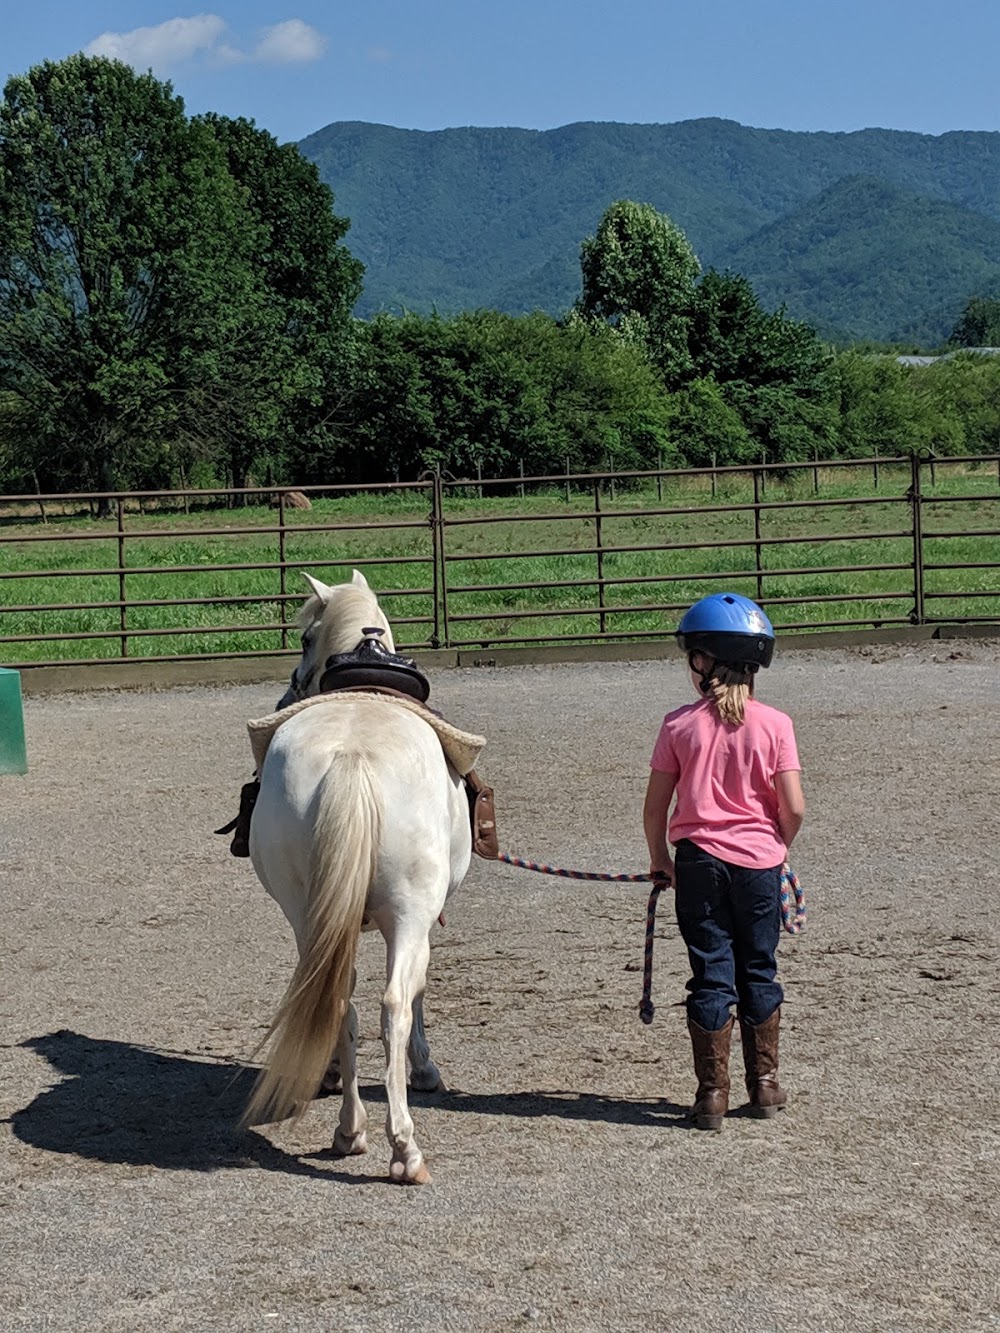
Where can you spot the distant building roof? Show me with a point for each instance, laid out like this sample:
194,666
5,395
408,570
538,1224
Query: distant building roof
947,356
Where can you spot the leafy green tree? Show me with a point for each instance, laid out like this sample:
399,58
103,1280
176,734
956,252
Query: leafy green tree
978,325
492,391
878,409
707,430
639,273
308,282
772,370
125,293
172,291
958,404
589,399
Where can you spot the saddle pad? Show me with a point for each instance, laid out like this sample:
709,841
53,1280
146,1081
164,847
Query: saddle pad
461,748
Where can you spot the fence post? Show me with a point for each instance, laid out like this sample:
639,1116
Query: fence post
715,461
122,617
38,492
758,491
521,467
282,581
602,619
917,614
659,476
567,479
438,578
479,477
933,476
875,468
815,469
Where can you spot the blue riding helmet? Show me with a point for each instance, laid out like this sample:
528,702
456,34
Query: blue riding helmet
730,628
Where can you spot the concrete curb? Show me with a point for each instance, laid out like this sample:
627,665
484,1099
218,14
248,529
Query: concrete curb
69,679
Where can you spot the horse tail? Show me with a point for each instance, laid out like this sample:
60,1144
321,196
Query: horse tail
307,1025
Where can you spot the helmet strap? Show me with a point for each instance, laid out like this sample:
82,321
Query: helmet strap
705,677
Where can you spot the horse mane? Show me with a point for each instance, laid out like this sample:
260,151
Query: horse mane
350,608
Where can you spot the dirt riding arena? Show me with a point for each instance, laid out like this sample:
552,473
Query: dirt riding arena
141,962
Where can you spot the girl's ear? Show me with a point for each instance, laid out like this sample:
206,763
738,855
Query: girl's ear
701,662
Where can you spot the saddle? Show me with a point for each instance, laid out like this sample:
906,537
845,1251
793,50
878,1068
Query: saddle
373,669
371,666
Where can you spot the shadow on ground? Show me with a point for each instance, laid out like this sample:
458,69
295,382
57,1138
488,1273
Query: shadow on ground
565,1105
122,1103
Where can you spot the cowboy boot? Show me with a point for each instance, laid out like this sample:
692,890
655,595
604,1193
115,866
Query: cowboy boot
240,845
760,1056
711,1065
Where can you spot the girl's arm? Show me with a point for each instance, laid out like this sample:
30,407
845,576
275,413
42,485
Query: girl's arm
659,794
791,804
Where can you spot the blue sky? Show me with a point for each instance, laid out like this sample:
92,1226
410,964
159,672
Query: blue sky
296,65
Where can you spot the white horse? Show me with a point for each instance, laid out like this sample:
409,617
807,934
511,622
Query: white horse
361,822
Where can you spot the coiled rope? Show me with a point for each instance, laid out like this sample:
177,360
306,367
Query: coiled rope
793,918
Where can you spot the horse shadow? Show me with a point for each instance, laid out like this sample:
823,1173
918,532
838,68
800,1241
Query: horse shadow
122,1103
137,1106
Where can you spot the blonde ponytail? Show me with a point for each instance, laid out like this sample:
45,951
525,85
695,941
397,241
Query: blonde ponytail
728,687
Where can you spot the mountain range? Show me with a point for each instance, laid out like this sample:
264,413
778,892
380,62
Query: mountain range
876,234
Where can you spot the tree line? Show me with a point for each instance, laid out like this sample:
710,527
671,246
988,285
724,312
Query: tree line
176,305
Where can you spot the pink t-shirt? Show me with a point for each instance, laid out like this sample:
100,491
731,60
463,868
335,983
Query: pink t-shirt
726,802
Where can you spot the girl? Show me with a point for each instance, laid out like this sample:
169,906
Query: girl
733,766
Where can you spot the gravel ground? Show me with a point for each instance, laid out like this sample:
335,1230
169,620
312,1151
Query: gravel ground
141,963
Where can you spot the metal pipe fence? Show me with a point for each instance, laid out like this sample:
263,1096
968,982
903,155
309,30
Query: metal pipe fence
493,562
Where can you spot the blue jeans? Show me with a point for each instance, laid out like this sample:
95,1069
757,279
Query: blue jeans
730,919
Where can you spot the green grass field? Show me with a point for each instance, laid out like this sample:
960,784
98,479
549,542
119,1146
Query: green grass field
544,539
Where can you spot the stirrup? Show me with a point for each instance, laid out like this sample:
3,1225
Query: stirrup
240,845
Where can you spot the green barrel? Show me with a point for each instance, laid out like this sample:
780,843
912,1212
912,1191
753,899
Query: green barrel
13,754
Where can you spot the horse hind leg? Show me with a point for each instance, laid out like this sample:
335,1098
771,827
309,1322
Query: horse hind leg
407,970
333,1082
424,1073
350,1137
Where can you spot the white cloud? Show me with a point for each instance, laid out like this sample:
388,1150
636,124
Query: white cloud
290,43
178,40
168,43
379,55
225,54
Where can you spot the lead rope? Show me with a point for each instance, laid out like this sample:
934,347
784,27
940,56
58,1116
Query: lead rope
793,920
646,1006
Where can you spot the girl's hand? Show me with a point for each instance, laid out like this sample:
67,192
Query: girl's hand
663,869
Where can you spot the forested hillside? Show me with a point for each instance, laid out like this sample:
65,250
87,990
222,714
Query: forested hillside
866,259
185,317
466,218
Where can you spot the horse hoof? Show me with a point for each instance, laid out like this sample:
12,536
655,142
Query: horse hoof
401,1174
350,1145
427,1080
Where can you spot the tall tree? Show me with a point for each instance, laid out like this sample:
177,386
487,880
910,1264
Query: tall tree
124,285
772,370
310,282
639,273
